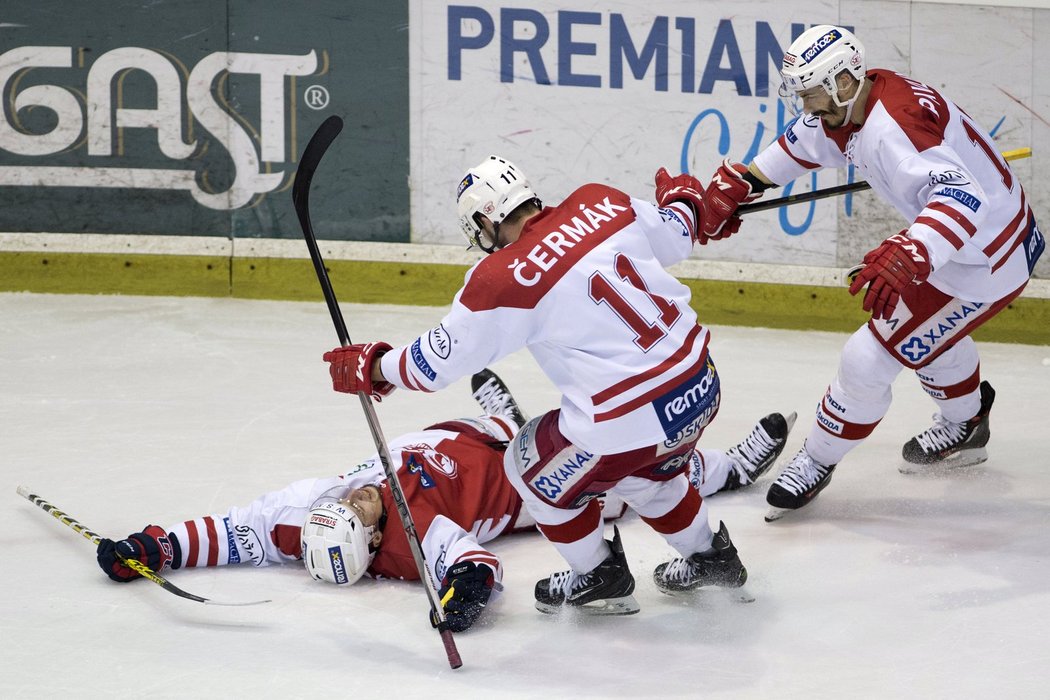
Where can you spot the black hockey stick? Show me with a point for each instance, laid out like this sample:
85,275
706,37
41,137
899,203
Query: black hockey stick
858,186
133,564
315,150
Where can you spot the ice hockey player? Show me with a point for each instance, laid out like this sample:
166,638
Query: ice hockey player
341,528
583,286
969,248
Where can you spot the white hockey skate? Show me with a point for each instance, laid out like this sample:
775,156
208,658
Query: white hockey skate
947,445
495,398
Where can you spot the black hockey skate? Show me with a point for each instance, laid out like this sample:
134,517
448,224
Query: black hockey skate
495,398
798,484
718,566
605,590
755,455
948,445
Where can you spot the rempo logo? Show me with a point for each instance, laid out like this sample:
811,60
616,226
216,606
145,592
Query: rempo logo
96,112
821,44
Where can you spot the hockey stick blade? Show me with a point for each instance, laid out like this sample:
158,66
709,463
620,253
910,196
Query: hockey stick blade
134,564
315,150
312,154
304,176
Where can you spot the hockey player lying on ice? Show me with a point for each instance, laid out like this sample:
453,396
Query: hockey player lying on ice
453,480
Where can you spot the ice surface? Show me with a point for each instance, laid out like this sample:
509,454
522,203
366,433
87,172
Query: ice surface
124,411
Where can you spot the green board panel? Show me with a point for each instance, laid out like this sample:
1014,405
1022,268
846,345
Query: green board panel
187,118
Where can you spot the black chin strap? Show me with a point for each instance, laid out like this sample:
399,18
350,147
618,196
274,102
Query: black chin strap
481,234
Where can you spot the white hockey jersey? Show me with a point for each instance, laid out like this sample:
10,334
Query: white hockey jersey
452,478
585,290
940,170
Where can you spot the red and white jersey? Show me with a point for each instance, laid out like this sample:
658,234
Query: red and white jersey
940,170
453,481
585,290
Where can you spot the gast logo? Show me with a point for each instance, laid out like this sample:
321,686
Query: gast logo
95,107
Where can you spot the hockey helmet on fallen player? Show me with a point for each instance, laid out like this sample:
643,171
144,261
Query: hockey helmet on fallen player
817,57
493,188
336,545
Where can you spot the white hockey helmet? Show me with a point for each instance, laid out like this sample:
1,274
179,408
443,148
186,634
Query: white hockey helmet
494,187
817,57
337,546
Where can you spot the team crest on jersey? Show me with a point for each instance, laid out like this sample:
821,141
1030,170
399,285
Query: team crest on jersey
413,465
429,458
948,177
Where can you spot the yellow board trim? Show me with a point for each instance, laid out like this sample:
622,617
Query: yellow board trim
795,307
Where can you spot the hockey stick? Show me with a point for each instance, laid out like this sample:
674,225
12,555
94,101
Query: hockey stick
315,150
133,564
859,186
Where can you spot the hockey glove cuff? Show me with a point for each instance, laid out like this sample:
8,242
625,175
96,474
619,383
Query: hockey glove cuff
686,189
726,192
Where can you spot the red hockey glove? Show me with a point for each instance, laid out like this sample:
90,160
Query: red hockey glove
351,369
464,593
151,547
726,192
890,268
683,188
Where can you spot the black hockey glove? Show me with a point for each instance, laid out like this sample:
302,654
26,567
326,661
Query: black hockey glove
464,592
151,547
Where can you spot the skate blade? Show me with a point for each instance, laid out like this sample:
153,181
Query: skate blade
774,514
609,606
963,458
739,594
790,420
